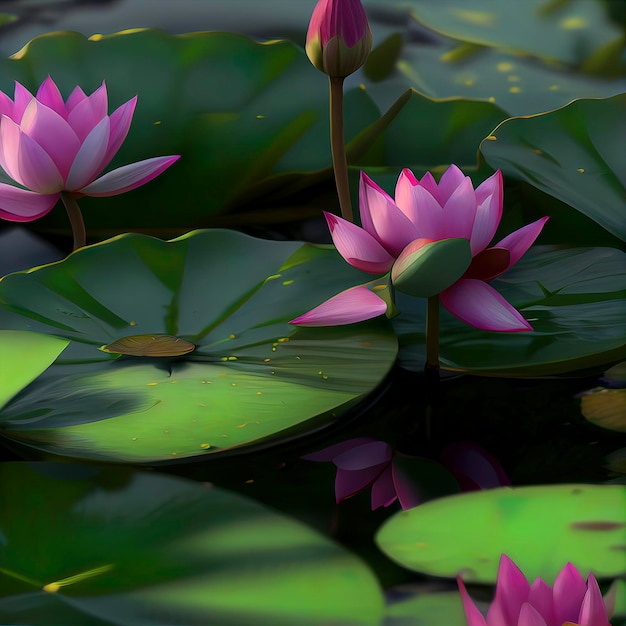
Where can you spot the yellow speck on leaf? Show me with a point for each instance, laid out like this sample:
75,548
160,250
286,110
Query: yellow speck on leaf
491,138
287,282
504,66
132,323
581,170
515,90
151,384
205,445
573,22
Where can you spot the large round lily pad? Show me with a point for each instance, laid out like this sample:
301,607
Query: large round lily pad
85,545
252,376
574,299
541,528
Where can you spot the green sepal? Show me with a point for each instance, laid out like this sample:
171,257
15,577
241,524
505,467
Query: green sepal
426,269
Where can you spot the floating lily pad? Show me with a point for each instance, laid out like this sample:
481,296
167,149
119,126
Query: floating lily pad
574,299
251,378
568,32
239,112
575,154
426,609
540,527
23,356
85,545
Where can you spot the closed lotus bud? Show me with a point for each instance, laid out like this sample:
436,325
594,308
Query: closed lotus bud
339,38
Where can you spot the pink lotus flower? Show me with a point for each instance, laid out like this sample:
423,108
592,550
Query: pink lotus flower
364,462
570,601
49,146
422,212
339,38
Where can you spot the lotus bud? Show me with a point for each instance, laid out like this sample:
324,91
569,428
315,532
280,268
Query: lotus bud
339,38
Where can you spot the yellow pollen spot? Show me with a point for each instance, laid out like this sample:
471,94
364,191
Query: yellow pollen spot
554,87
205,445
224,358
174,453
362,87
537,151
379,287
267,360
298,358
287,282
151,384
283,339
513,78
132,323
257,422
134,438
274,349
95,37
366,344
272,372
504,66
259,393
166,431
233,384
223,436
573,22
491,138
232,358
581,170
232,336
491,99
173,382
223,375
52,587
249,482
320,372
273,277
468,82
260,117
242,425
325,377
514,90
157,122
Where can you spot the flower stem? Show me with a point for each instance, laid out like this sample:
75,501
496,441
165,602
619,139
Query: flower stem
76,220
338,147
432,335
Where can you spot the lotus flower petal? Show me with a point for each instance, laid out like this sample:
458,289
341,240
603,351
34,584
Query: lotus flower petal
568,591
540,598
349,483
478,304
408,496
120,124
593,610
358,247
518,242
128,177
382,218
362,456
473,467
52,133
529,616
6,105
489,202
21,101
460,211
473,615
76,97
49,95
383,489
88,161
512,591
449,182
88,112
430,184
352,305
22,205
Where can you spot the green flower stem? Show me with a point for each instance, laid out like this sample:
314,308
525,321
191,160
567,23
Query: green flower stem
76,220
338,147
432,335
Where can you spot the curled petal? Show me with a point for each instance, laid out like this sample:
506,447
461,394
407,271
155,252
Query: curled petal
128,177
472,614
478,304
357,246
489,202
520,240
21,205
383,219
352,305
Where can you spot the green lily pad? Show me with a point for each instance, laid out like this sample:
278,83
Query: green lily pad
252,377
23,356
540,527
575,300
86,545
574,154
240,113
426,609
568,32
